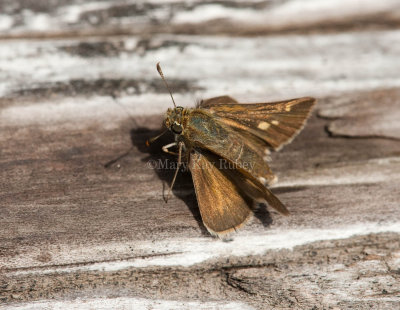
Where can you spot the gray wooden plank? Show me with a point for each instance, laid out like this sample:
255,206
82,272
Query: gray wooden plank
74,231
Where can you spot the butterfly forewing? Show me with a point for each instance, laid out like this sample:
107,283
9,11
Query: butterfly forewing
276,123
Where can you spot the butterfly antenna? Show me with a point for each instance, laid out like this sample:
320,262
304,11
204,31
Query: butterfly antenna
151,140
165,82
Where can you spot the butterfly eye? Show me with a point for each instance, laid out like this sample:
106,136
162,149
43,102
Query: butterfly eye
176,128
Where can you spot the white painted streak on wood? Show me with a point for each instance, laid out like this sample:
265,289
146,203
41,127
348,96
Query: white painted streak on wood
188,252
273,68
61,18
5,22
80,112
122,303
75,111
280,14
70,14
294,12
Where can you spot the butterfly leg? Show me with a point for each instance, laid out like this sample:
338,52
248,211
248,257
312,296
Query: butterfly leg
176,171
166,147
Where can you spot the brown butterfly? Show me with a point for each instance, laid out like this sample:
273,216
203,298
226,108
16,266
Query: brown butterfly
226,145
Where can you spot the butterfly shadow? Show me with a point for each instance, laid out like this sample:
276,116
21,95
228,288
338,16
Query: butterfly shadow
164,166
263,215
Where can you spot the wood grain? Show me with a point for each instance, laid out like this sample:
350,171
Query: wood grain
79,90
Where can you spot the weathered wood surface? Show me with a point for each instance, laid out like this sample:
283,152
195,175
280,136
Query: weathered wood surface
76,234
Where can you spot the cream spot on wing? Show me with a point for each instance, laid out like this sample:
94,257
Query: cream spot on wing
263,125
267,158
263,180
275,122
288,108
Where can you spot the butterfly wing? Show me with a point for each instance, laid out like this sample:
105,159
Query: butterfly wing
226,195
275,123
207,103
233,151
222,208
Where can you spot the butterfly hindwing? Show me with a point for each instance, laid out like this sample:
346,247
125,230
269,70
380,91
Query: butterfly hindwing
210,102
226,195
222,208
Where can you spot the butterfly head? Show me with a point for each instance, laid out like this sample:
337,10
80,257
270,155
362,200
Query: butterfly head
174,120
